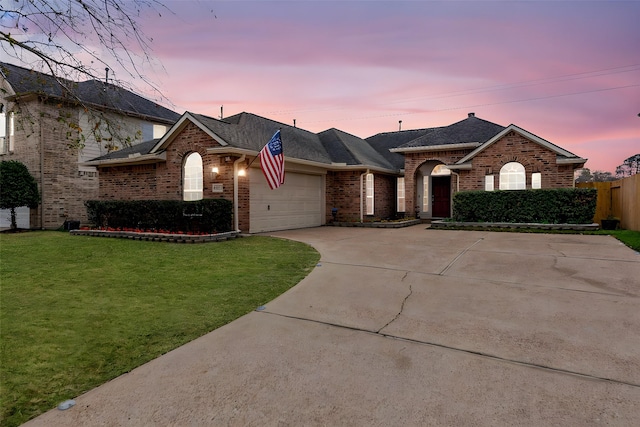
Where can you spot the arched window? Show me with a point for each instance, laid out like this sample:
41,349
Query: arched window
512,177
192,177
440,170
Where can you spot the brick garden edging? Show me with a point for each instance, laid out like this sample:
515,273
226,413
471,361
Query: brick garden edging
159,237
390,224
514,225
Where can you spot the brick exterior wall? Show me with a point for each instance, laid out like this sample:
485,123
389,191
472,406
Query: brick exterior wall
412,161
163,181
42,140
346,193
343,192
384,195
513,147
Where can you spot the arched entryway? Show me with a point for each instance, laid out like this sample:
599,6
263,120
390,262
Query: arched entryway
433,190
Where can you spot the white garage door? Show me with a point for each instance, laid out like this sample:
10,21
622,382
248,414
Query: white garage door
22,217
297,203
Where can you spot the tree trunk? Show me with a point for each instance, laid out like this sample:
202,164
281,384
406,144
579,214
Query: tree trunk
14,225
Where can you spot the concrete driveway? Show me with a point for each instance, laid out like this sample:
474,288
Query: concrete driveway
410,327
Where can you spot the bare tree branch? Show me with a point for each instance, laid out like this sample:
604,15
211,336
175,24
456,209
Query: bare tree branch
77,39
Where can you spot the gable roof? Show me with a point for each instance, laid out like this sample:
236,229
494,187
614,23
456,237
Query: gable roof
247,133
92,92
563,156
467,133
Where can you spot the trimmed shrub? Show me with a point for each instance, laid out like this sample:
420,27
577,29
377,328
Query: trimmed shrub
201,216
546,206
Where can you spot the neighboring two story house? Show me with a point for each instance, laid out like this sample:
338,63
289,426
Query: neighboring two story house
53,126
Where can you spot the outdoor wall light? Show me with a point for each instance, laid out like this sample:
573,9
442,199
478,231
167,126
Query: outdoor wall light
242,172
214,172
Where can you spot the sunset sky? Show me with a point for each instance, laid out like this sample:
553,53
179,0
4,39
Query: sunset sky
567,71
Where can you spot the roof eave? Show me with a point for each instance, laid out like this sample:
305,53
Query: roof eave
571,160
328,166
34,95
543,142
441,147
464,166
128,161
180,124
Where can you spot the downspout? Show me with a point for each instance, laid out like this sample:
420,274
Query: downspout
457,189
457,181
236,220
41,177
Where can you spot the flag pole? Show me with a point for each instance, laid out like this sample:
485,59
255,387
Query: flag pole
252,160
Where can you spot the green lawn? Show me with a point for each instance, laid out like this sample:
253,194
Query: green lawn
77,311
628,237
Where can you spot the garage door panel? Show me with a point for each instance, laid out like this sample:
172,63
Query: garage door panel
297,203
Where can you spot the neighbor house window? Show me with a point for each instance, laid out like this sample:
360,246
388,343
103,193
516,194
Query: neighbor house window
7,130
401,204
536,180
192,177
369,193
488,183
512,177
3,131
12,126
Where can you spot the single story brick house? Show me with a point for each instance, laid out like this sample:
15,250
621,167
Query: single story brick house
388,175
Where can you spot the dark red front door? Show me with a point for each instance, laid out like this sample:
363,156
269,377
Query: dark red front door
441,201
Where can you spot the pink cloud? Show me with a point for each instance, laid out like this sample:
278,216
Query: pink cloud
363,66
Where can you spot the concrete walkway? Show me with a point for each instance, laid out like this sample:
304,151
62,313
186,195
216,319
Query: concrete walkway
409,327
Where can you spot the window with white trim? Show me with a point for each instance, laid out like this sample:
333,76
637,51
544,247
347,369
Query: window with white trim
401,201
12,126
7,130
425,194
192,177
536,180
440,170
3,131
488,182
369,193
512,177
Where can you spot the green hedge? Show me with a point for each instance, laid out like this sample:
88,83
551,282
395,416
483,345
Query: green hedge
204,216
547,206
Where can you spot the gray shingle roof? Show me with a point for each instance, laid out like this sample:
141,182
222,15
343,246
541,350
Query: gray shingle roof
346,148
471,129
94,92
142,148
383,142
251,132
255,132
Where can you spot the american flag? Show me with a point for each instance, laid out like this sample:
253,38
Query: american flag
272,161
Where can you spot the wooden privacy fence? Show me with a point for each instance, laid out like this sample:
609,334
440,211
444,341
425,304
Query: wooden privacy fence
620,199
